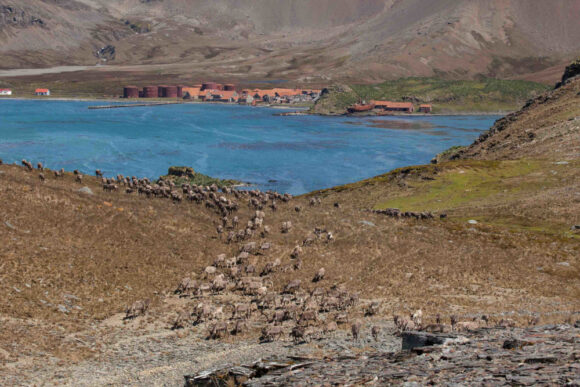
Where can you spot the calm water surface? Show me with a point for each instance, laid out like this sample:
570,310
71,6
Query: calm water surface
289,154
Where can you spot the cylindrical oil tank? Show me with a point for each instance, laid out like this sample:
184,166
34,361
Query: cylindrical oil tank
130,92
150,92
180,91
170,92
162,91
229,87
209,86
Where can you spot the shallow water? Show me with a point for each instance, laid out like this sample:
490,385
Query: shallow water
295,154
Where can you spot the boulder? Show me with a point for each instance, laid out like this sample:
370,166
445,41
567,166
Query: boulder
571,71
414,339
181,171
86,190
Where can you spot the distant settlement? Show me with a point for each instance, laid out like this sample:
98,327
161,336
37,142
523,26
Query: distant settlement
387,107
226,93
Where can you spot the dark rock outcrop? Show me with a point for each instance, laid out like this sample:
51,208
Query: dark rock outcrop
413,340
571,71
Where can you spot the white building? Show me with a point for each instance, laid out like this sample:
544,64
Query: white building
5,92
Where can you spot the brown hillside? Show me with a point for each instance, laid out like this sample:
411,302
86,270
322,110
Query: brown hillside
546,127
301,40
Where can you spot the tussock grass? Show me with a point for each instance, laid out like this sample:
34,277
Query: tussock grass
447,96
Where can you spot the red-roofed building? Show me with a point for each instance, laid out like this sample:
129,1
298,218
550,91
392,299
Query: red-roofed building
404,107
191,92
381,104
226,96
425,108
219,95
5,92
43,92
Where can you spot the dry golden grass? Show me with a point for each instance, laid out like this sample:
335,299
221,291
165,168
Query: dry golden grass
110,249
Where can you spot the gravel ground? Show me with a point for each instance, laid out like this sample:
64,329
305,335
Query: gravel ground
131,357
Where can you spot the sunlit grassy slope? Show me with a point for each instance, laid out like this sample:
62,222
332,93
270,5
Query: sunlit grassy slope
446,96
507,193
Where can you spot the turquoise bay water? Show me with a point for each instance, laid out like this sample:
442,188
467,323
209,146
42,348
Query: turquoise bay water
295,154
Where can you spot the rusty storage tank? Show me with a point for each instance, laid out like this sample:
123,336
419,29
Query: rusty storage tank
162,91
229,87
180,91
130,92
209,86
170,92
150,92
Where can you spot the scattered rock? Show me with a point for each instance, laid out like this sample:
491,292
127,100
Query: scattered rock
86,190
421,339
515,344
61,308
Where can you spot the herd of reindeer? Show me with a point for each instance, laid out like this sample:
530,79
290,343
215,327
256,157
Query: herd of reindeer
235,295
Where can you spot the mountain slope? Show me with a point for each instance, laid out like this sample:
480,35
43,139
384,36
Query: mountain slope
296,39
546,127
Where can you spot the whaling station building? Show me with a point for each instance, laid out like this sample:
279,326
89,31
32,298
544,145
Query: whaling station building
42,92
225,93
388,107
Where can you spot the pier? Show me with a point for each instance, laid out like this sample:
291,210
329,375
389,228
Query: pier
135,105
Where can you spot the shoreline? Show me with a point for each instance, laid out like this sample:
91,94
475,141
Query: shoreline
148,101
413,115
297,110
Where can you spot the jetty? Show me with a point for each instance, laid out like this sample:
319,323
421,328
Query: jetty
136,105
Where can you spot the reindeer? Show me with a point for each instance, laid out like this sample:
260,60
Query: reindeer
319,276
218,330
355,330
286,227
271,333
138,308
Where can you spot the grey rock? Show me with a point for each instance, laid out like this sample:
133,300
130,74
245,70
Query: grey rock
421,339
61,308
86,190
541,359
515,344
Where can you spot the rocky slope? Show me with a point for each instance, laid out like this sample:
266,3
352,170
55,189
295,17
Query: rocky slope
546,127
297,39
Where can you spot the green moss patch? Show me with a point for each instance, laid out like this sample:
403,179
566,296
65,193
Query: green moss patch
461,183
